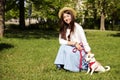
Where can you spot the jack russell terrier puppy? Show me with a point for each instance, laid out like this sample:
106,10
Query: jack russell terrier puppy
94,65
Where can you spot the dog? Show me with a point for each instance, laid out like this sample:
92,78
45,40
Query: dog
94,65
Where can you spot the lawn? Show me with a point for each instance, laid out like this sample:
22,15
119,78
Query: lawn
30,55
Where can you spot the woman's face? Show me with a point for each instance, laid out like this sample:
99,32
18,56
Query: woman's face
67,18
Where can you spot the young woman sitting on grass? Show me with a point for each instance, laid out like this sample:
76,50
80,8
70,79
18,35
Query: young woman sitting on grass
74,45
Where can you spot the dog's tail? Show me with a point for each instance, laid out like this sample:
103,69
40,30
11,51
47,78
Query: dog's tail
107,68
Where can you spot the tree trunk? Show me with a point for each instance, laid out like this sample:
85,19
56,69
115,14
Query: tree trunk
95,15
22,13
102,22
2,17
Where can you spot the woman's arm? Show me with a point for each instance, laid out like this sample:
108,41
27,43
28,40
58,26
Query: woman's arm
76,44
62,41
71,43
83,39
66,42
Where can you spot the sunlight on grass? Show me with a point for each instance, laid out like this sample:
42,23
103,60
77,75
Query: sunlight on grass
31,57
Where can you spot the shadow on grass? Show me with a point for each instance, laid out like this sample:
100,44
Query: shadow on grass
31,32
115,35
5,46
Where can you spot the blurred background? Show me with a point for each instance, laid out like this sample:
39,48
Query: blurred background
43,14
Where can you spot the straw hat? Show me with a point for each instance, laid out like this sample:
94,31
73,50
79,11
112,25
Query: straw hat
66,8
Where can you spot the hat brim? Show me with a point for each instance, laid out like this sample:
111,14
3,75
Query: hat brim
66,8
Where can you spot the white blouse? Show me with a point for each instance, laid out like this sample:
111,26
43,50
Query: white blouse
77,36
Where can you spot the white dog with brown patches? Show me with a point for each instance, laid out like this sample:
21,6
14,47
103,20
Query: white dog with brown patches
94,65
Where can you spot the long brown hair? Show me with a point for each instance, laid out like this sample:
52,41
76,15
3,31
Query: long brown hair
64,26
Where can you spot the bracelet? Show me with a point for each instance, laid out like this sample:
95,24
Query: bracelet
75,44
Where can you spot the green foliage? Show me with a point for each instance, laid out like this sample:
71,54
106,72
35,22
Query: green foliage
11,14
30,55
48,9
10,5
11,9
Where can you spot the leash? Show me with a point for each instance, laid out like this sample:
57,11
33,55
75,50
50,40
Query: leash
74,51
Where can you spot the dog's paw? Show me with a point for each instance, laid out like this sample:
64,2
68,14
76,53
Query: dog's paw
87,73
91,73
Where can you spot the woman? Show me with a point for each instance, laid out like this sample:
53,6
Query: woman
73,42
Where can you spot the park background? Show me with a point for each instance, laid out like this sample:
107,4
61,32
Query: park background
29,38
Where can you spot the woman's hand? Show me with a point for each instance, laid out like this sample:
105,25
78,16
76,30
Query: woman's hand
78,46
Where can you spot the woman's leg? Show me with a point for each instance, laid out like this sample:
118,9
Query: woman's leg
59,61
69,60
72,60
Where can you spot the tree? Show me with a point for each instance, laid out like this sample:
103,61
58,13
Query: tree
48,13
21,14
2,3
80,7
11,9
89,11
102,21
99,8
16,9
114,13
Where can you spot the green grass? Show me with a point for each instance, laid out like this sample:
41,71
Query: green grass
30,55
